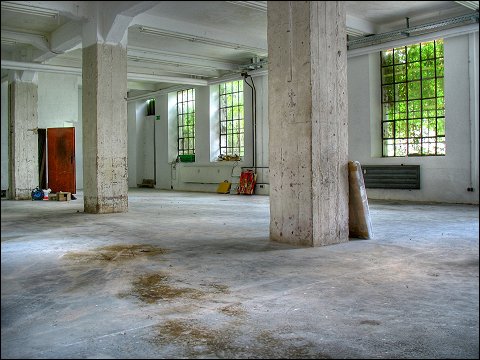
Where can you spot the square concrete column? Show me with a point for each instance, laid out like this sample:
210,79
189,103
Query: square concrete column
307,111
23,140
104,108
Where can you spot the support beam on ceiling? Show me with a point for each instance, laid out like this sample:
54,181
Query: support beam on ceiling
66,38
17,65
117,17
38,41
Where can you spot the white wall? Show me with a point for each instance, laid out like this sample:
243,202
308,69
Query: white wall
57,100
443,178
140,148
132,143
4,134
79,140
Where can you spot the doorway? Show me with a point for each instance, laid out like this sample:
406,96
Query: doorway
61,159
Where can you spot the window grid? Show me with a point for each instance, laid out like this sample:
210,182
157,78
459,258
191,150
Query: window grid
413,109
232,141
186,121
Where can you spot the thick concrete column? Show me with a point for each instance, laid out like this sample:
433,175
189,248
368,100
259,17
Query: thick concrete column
307,100
23,139
104,111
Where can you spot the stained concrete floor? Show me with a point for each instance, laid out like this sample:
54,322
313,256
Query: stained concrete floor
194,275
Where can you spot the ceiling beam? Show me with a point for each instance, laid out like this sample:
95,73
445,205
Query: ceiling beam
118,15
38,41
62,40
29,66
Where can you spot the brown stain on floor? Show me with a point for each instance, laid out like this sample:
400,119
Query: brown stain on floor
114,253
233,310
283,348
219,288
204,342
195,339
187,331
151,288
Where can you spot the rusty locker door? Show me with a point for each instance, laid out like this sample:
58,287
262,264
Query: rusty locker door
61,159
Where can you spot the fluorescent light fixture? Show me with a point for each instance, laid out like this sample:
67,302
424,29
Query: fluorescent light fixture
28,9
355,32
167,62
473,5
198,39
257,5
7,41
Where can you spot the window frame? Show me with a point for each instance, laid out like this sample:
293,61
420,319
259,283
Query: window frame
231,120
185,108
422,121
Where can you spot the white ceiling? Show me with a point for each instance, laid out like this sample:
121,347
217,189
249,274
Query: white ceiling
199,39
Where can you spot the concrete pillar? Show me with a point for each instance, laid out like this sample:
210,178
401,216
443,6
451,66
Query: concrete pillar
104,110
307,112
23,138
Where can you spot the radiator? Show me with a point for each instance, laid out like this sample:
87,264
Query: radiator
391,176
205,174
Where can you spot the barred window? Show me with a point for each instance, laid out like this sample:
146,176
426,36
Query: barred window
232,140
413,105
186,121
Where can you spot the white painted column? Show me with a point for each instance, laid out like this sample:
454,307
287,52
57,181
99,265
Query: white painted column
23,138
308,124
104,109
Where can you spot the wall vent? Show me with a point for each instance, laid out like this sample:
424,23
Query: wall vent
391,176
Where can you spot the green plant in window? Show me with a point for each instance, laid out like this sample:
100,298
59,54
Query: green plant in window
387,57
414,90
413,71
388,128
428,88
400,92
413,53
399,55
439,48
400,73
427,50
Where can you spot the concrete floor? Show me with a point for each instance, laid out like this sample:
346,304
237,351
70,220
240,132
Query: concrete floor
194,275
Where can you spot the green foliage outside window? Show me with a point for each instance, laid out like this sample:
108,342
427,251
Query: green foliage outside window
186,121
232,141
413,106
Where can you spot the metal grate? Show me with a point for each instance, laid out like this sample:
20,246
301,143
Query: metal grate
391,176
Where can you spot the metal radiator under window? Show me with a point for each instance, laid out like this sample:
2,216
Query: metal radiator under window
391,176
